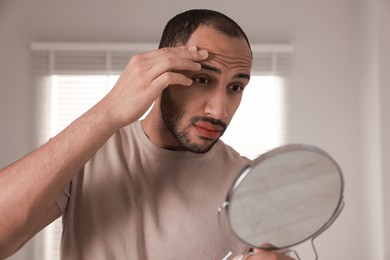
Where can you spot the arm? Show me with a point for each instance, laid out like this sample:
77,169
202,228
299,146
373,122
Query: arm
31,186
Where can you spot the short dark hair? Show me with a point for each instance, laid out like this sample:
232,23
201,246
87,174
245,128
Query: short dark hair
180,28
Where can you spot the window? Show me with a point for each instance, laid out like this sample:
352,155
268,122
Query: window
258,124
72,95
70,78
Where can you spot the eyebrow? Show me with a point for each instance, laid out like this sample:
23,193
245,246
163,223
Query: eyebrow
217,70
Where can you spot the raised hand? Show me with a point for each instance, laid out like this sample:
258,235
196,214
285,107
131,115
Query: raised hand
145,77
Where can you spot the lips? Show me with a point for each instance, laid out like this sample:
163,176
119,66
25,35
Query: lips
208,130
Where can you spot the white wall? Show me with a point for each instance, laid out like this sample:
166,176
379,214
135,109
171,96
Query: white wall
337,99
383,54
372,105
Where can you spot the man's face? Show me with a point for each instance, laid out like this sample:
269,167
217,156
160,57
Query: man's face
198,115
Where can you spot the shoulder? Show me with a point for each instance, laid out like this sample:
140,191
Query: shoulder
125,135
228,153
118,145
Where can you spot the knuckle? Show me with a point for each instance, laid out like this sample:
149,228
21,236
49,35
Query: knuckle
165,50
194,54
166,78
169,61
136,59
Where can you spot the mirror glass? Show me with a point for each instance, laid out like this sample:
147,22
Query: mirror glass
285,197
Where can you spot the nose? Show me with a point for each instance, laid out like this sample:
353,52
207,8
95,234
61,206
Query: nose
216,105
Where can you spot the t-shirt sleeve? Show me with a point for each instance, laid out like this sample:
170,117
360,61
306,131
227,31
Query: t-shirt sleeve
63,199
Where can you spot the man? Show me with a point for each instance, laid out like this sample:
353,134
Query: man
149,189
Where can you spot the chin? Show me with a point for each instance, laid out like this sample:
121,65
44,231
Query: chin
200,148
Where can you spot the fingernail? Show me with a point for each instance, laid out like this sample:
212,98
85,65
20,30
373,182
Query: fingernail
189,82
203,53
192,48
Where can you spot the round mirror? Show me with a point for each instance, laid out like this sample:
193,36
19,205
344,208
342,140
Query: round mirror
284,197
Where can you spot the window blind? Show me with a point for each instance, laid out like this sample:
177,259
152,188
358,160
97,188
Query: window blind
69,78
111,58
105,59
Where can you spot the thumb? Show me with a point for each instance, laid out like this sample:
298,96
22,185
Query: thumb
239,257
270,251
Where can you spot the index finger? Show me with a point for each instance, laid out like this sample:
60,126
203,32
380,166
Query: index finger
175,59
191,52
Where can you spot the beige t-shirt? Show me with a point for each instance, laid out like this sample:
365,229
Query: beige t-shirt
133,200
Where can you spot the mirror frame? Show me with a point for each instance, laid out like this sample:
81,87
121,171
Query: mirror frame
285,148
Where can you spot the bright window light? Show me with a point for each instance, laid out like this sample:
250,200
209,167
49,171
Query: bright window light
72,95
258,124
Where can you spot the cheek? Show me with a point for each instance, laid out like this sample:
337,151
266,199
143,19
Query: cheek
234,103
178,94
232,108
187,97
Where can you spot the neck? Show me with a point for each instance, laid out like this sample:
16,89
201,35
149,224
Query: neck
155,129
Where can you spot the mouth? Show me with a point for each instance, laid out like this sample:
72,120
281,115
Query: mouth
208,130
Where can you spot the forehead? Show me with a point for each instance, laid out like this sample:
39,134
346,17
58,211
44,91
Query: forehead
228,51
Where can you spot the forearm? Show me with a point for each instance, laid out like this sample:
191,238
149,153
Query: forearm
30,186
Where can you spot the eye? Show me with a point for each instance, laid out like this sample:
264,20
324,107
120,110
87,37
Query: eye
236,88
201,80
